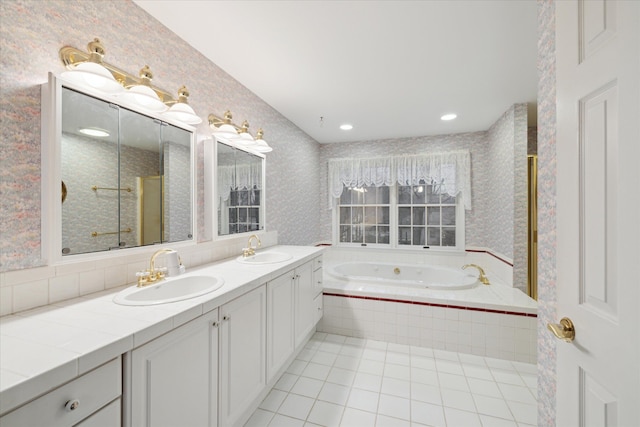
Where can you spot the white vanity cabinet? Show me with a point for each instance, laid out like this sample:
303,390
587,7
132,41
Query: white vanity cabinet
91,400
242,354
305,309
174,377
280,322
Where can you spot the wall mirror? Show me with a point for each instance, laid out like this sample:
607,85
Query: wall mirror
240,177
127,176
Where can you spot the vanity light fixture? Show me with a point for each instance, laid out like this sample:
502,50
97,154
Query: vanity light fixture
448,117
91,71
244,137
143,94
88,68
181,110
239,135
261,145
346,126
223,127
97,132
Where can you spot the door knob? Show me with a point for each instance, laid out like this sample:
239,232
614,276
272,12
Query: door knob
564,331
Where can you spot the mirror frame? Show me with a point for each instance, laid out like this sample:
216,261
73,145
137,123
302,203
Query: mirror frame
211,189
51,174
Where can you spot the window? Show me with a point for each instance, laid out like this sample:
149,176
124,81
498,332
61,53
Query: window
244,210
364,215
399,216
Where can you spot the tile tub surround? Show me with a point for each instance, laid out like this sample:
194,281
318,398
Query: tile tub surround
81,275
496,321
43,348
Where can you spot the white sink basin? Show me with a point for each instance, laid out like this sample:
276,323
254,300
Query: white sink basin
170,290
270,257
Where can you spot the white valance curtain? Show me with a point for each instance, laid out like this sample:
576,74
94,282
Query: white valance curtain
238,177
449,172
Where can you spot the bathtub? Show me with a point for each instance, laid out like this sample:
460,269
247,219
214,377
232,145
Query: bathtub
428,305
417,276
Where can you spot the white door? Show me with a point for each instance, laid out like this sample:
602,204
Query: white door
598,193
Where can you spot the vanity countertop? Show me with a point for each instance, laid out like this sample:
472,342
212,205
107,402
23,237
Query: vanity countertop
43,348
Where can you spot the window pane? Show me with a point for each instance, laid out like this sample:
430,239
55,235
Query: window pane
448,200
345,233
383,234
233,198
345,197
383,215
418,236
370,234
370,195
254,215
404,216
356,234
419,193
242,228
357,196
243,198
404,235
433,236
253,227
370,215
418,216
345,215
448,215
431,196
233,215
404,195
357,215
242,215
433,216
382,195
448,236
255,198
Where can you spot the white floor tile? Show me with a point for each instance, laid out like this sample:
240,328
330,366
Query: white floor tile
283,421
457,418
363,400
296,406
393,406
352,382
427,413
357,418
367,381
273,400
326,414
396,387
334,393
385,421
308,387
458,400
492,406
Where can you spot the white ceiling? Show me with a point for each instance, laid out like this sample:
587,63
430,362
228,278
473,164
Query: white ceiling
389,68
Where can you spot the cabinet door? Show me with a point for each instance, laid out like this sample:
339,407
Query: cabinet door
174,377
305,316
280,322
242,354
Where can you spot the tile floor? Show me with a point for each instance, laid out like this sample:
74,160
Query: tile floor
352,382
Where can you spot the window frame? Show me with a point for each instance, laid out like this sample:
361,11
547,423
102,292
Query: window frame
394,227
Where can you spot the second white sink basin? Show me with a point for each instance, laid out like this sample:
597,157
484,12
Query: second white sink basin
270,257
170,290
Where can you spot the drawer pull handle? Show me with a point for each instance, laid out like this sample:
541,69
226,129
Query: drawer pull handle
214,324
226,318
72,405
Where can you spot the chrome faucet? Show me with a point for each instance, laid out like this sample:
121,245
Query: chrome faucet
482,277
153,275
251,250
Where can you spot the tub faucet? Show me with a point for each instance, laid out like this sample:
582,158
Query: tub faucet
482,277
153,274
251,250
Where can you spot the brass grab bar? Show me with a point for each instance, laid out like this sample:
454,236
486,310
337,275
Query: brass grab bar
96,188
96,234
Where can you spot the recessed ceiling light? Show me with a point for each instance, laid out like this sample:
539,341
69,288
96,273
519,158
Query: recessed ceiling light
94,132
346,126
447,117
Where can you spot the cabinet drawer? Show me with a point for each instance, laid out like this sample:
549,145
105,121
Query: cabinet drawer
92,391
317,263
317,281
317,303
109,416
